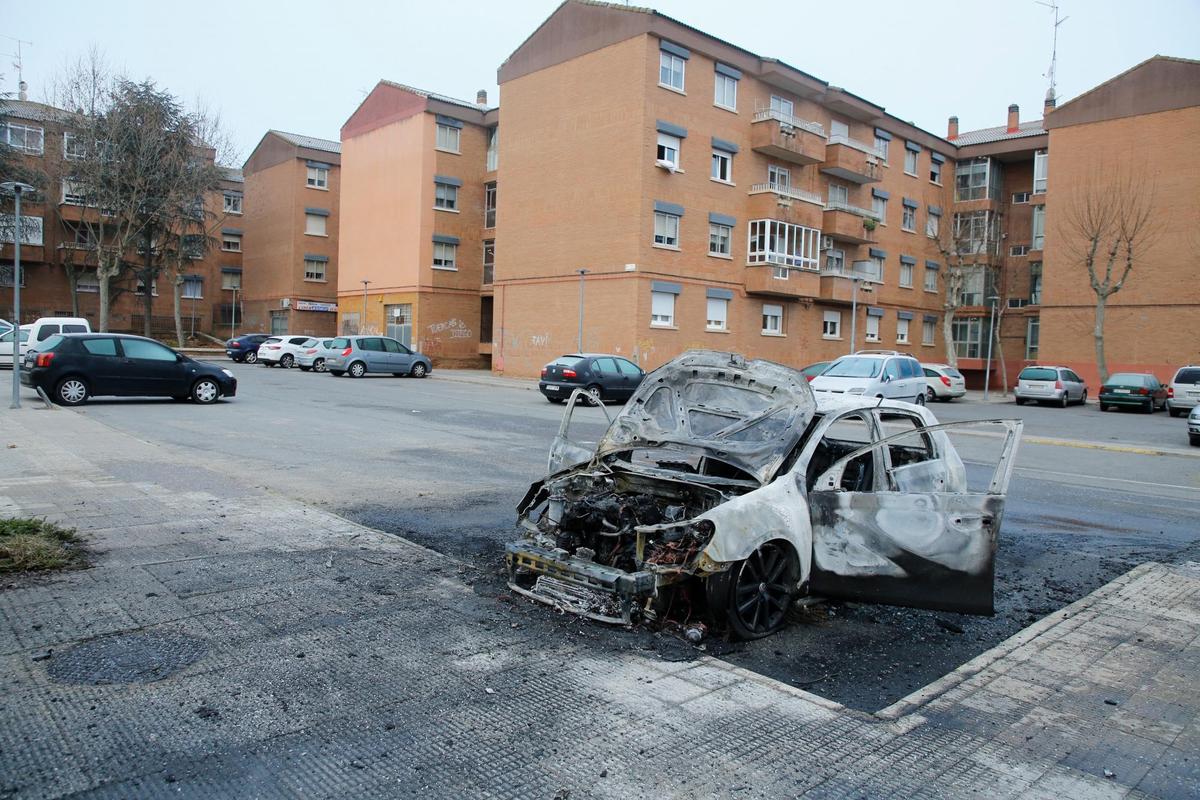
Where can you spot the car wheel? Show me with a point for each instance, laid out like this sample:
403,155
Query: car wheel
206,391
920,399
251,358
287,361
357,369
595,395
337,373
1019,400
755,595
930,395
1149,407
1065,401
1083,398
419,370
1104,406
71,391
304,368
319,365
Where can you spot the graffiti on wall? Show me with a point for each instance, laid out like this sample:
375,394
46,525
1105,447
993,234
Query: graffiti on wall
452,328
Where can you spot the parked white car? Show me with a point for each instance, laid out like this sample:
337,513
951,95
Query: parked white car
39,331
874,373
943,382
1183,392
313,357
282,350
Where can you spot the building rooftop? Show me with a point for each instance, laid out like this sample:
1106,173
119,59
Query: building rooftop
435,96
233,174
311,142
1000,133
27,109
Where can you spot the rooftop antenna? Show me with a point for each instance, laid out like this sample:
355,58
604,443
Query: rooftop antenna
21,85
1053,6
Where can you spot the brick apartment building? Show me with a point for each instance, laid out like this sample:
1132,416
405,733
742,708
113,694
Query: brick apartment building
290,235
418,218
57,278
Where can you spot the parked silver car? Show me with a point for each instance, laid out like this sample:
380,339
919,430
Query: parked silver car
943,382
314,356
357,355
1194,426
874,373
1183,392
1057,385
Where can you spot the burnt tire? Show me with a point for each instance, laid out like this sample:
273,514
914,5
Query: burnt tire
753,597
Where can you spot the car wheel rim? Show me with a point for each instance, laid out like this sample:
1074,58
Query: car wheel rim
319,365
73,391
419,370
206,392
357,370
761,592
251,358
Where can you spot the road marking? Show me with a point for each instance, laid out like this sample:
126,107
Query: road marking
1116,448
1062,474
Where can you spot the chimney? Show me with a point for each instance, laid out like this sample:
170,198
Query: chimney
952,129
481,97
22,94
1014,118
1050,102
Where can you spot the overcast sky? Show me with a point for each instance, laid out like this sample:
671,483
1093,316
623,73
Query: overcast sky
303,66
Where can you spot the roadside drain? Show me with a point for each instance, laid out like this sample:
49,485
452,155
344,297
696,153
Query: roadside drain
126,658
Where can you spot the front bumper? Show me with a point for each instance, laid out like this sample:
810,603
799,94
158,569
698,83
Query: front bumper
583,587
229,387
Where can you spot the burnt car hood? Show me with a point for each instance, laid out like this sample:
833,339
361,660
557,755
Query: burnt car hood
746,413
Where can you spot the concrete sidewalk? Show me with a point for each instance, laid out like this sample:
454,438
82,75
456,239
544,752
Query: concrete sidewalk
229,642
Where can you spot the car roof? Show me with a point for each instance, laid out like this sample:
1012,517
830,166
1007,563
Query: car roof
99,334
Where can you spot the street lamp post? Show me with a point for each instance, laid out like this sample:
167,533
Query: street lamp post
363,322
579,341
987,375
855,279
16,188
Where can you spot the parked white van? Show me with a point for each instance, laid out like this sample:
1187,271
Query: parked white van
41,330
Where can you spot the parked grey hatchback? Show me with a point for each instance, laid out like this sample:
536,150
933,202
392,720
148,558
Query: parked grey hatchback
357,355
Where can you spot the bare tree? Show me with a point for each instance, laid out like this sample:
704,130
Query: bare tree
1107,226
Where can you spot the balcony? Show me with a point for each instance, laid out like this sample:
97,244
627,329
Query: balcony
787,138
796,206
851,160
847,223
836,286
766,280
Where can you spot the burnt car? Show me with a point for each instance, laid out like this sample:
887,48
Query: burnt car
725,486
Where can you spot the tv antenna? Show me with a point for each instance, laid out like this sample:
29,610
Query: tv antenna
1053,6
17,63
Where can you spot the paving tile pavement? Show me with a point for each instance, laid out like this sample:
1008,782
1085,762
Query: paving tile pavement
234,643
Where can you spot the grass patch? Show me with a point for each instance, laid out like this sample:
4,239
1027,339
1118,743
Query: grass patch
34,545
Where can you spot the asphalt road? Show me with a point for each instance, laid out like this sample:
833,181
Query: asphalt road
443,462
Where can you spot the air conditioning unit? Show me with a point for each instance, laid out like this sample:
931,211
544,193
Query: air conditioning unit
285,302
826,242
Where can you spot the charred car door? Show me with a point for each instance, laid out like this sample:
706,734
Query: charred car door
915,536
565,451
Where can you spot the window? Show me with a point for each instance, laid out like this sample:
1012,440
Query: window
831,325
906,274
933,224
1018,250
31,228
662,309
146,350
141,287
318,177
772,320
719,239
908,222
445,256
73,147
1020,198
25,138
489,260
870,269
835,260
838,128
1039,228
314,269
231,280
1035,283
193,288
779,178
839,195
314,224
931,276
88,284
722,166
872,329
910,161
670,70
1033,331
231,243
718,314
879,208
725,91
449,138
974,285
73,193
668,149
445,197
978,178
901,331
233,202
935,171
881,147
666,229
928,331
783,107
1041,161
968,336
489,205
193,245
974,232
493,149
100,347
783,244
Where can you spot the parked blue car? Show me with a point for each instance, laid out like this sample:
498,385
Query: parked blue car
244,348
358,355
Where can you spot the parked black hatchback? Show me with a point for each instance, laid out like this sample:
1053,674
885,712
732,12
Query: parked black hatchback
604,376
71,368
